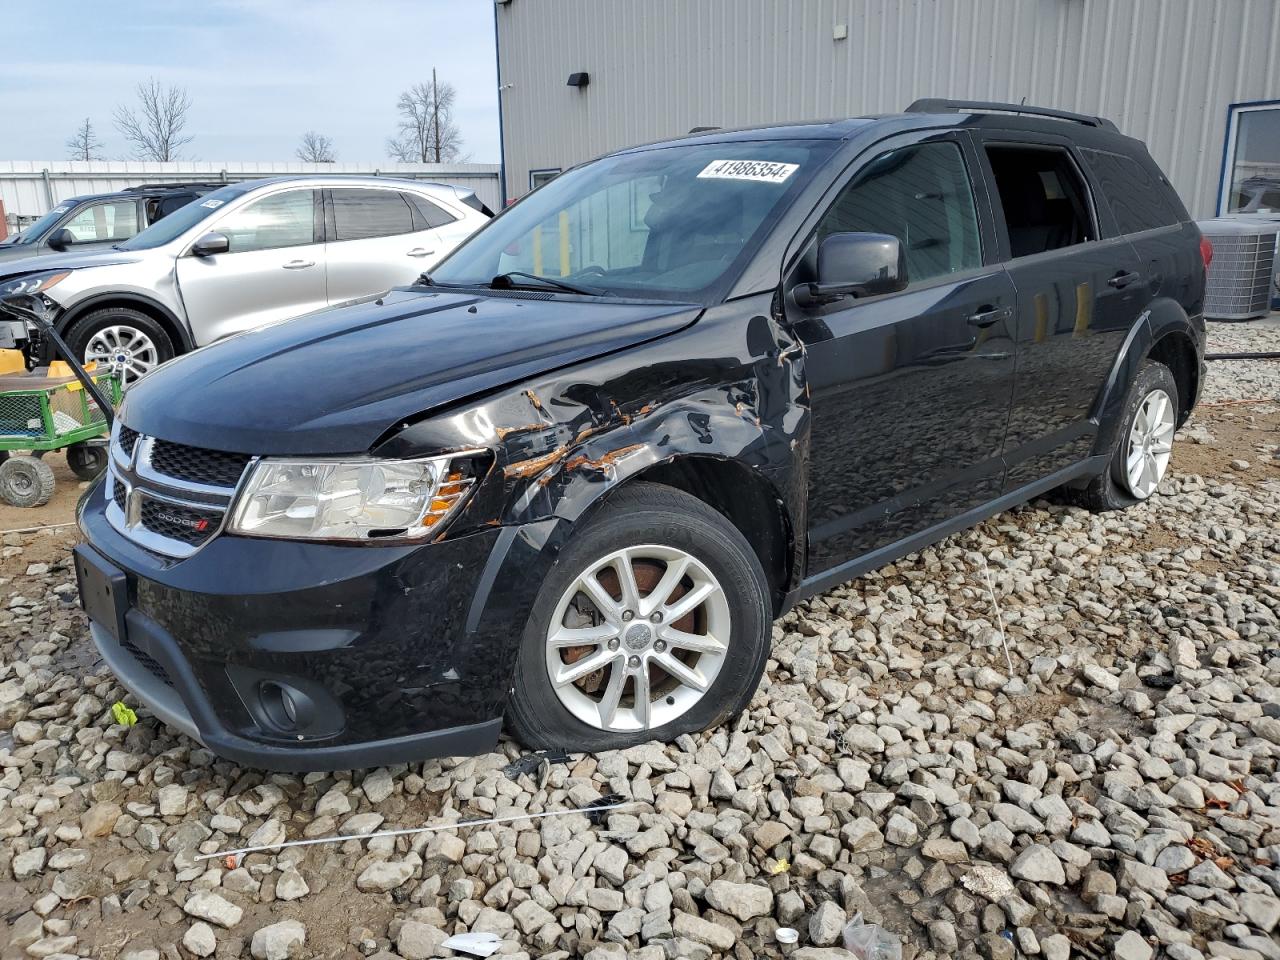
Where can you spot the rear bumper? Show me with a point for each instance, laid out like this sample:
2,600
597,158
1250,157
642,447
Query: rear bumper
397,653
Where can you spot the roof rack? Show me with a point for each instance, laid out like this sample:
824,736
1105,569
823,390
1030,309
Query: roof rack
928,105
143,187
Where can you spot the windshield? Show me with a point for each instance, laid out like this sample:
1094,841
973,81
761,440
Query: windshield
671,223
184,218
32,232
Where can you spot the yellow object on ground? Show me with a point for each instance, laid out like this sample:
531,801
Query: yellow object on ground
123,715
12,361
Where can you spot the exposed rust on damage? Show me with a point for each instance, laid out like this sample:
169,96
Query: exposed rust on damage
537,404
603,462
790,352
535,465
504,432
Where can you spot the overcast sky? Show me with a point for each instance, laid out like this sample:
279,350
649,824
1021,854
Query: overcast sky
259,72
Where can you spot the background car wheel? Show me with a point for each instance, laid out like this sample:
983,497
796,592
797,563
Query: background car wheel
87,461
26,482
128,341
1141,450
655,621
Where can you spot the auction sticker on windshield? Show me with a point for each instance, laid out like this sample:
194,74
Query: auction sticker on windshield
762,171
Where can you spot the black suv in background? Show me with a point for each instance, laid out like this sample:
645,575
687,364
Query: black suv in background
569,479
98,220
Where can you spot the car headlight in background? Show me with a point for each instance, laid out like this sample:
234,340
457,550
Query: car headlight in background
352,499
32,283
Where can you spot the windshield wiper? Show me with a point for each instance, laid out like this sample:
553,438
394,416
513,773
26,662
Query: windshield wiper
507,281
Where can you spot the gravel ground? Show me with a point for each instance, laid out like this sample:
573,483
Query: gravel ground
1114,794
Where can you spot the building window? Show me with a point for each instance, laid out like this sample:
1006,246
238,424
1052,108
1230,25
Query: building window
1251,163
538,177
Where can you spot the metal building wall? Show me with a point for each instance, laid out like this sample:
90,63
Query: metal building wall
30,188
1163,70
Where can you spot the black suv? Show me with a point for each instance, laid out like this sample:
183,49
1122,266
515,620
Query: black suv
96,221
569,479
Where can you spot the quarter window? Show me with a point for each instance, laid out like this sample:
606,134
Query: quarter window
364,214
427,214
105,221
281,220
1139,200
921,195
1045,202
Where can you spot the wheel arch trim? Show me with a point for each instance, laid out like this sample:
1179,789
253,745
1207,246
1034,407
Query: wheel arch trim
155,309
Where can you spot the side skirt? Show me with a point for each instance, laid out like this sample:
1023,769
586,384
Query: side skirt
918,541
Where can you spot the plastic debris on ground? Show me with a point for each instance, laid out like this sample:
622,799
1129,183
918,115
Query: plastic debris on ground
122,715
476,944
787,935
870,941
536,765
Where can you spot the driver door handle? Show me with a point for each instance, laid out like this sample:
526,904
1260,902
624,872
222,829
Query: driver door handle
419,252
299,264
1122,280
988,316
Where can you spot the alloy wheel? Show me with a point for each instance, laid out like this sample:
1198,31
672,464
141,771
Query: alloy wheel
638,638
126,350
1150,444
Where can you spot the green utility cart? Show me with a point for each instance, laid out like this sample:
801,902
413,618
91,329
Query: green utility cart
49,409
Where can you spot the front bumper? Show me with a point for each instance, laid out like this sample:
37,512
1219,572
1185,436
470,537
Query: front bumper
400,652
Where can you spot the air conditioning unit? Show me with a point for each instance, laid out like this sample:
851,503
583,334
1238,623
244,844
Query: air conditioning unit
1243,267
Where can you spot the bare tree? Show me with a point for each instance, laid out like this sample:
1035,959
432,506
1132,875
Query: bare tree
315,148
427,131
155,130
84,144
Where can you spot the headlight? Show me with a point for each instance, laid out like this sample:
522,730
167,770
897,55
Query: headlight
352,499
32,283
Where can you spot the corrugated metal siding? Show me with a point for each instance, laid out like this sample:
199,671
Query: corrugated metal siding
29,188
1163,70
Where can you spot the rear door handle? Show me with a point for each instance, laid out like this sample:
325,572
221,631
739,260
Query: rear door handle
299,264
419,252
1122,280
988,316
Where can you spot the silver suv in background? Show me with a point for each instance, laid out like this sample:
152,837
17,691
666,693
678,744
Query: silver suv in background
242,256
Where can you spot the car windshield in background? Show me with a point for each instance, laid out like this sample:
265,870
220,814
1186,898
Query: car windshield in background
672,223
184,218
32,232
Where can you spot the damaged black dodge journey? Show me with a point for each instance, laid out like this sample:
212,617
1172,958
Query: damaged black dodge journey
567,481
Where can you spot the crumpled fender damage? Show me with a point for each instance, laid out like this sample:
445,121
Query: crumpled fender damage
730,387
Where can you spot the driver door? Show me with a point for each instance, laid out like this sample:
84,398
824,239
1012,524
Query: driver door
274,269
910,391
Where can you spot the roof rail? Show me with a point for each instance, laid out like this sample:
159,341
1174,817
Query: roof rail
176,185
928,105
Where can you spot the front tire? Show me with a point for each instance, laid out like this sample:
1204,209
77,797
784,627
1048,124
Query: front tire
1142,446
654,622
129,342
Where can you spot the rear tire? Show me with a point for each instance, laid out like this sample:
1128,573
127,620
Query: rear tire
641,523
26,482
1115,488
129,342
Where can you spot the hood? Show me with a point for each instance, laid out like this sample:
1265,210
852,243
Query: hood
333,382
61,261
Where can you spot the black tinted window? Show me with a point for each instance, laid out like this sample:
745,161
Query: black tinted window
1045,203
428,213
361,214
1137,198
922,196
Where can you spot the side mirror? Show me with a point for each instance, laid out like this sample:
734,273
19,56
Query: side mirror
61,239
855,265
211,244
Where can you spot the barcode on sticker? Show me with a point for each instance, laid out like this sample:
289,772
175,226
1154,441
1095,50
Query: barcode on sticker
762,171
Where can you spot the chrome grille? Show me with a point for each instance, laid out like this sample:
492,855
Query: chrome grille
168,497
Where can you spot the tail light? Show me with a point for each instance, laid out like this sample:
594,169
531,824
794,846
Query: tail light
1206,251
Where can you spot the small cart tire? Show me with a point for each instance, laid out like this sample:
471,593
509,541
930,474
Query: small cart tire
26,482
87,461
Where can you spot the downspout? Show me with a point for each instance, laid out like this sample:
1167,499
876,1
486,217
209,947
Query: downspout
48,187
502,144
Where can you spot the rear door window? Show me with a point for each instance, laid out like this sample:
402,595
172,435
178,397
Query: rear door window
1138,199
921,195
1045,200
364,214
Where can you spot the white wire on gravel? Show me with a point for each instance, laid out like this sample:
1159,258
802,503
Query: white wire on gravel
48,526
995,605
